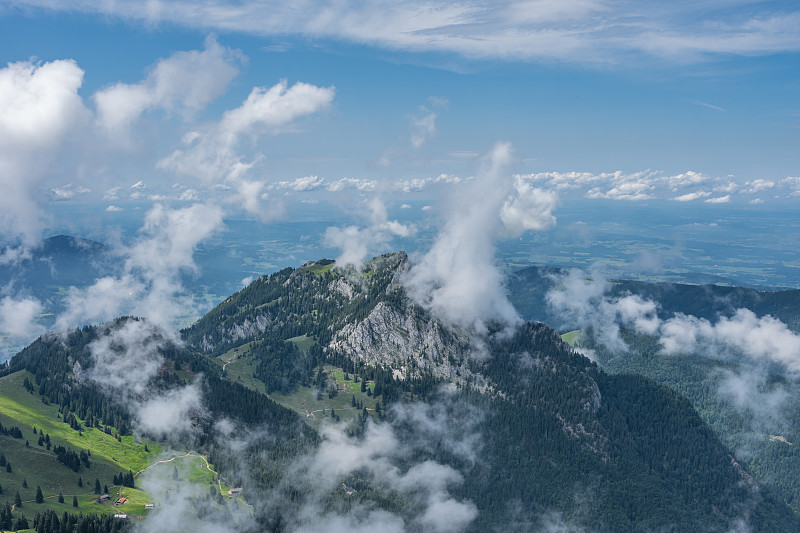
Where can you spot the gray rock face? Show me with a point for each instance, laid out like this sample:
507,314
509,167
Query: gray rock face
410,341
248,328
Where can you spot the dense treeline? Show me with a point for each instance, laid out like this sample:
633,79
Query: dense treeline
51,522
13,431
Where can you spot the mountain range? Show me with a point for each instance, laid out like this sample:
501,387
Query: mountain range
336,401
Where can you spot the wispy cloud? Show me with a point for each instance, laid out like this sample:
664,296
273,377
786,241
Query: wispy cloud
710,106
581,31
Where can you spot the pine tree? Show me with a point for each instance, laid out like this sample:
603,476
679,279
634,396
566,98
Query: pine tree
75,501
80,481
60,497
20,523
39,495
97,486
25,483
17,500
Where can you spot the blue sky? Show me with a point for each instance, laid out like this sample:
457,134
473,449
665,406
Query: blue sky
186,112
588,86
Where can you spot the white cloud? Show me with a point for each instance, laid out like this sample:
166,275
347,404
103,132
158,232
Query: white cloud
39,110
356,243
112,193
419,184
760,338
457,278
378,455
423,126
18,318
306,183
67,192
126,358
582,31
633,191
113,209
212,156
149,284
719,200
688,197
185,82
352,183
530,209
758,185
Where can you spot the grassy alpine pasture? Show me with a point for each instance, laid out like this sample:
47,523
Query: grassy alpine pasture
35,466
304,400
27,409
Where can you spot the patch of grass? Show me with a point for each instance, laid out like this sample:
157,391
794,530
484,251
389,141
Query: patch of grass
241,371
571,337
303,342
320,267
304,400
233,353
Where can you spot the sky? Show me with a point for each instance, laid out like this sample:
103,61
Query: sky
175,117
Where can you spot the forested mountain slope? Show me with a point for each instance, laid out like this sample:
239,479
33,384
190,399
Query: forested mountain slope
553,424
750,404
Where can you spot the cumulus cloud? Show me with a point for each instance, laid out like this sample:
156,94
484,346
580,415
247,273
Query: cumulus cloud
306,183
379,453
185,82
125,359
419,184
650,184
39,110
688,197
529,209
760,338
632,190
719,200
756,345
356,242
18,318
67,192
458,278
581,301
758,185
352,183
212,154
149,283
